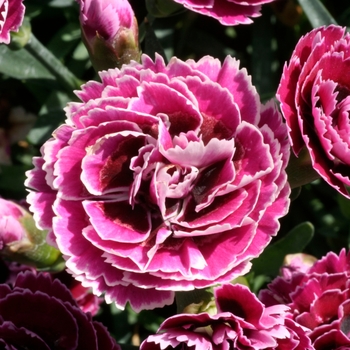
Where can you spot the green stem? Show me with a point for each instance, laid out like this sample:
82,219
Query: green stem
63,75
317,14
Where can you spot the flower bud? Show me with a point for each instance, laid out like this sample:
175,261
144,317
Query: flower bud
110,32
22,241
20,38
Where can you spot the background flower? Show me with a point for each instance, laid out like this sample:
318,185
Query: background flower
39,313
12,13
227,12
319,299
242,322
315,100
152,181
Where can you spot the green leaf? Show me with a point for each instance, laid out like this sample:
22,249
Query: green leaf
271,259
61,3
21,65
317,14
65,40
196,296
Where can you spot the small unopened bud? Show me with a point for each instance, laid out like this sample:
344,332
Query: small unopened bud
110,32
22,241
20,38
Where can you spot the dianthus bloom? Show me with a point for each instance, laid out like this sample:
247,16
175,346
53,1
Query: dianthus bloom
11,18
228,12
38,313
242,322
163,178
315,99
319,299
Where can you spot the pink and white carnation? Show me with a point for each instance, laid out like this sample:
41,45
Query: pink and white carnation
319,299
315,100
227,12
164,178
242,322
11,18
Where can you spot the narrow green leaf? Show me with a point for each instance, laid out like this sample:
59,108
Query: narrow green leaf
271,259
317,14
21,65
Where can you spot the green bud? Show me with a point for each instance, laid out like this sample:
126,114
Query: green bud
20,39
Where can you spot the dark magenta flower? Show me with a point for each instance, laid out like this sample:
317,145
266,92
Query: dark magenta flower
242,322
11,18
40,313
164,178
228,12
315,99
319,299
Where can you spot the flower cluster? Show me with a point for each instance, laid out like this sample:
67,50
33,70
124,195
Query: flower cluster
242,322
152,182
318,297
168,177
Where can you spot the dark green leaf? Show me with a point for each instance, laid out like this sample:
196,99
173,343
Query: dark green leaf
21,65
271,259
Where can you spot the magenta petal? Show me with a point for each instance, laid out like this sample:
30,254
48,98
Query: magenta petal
117,221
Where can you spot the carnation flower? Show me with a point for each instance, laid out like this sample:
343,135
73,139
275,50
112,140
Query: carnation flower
315,100
228,12
319,299
11,18
241,323
38,313
164,178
